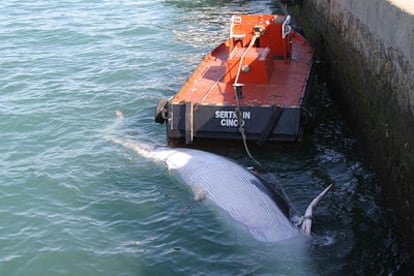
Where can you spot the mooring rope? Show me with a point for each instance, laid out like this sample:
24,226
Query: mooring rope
242,58
243,133
237,109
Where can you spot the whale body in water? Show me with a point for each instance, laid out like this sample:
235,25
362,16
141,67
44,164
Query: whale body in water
243,195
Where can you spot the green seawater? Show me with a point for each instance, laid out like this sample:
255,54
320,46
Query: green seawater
74,203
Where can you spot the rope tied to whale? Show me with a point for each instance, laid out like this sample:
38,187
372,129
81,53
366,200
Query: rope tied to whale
300,220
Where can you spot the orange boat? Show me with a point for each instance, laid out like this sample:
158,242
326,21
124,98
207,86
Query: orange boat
258,77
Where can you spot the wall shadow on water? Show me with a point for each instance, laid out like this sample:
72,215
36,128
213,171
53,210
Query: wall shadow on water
364,223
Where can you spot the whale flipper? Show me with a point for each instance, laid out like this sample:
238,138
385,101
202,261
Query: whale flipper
306,222
200,193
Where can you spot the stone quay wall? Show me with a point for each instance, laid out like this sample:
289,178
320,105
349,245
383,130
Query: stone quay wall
368,49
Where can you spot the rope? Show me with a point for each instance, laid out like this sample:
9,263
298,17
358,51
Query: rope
243,133
237,110
242,58
301,219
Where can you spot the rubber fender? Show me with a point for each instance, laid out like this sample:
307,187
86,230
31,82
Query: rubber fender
161,113
307,119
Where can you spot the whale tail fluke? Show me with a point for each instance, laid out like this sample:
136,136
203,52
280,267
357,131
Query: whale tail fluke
306,221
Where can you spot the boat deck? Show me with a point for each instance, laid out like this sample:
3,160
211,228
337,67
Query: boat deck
285,87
